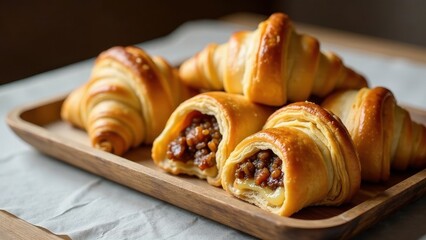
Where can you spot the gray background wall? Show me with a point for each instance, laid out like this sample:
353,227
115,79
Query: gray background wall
37,36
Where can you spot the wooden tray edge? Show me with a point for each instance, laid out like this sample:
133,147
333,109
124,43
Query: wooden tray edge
344,225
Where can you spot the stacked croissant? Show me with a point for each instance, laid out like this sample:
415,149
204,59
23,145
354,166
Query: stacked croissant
238,115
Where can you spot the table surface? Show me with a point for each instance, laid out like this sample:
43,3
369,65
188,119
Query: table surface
46,199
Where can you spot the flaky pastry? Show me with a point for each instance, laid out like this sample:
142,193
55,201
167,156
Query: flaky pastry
270,65
127,99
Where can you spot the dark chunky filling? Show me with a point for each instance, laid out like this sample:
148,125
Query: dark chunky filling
264,167
199,142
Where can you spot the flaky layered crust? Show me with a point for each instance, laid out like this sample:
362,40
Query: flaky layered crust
320,164
236,116
127,99
271,65
382,131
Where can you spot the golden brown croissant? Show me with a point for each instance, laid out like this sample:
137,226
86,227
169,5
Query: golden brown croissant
382,131
127,100
203,131
303,156
271,65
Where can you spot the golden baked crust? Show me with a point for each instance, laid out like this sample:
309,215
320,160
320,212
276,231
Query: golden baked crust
320,165
382,131
127,99
271,65
236,116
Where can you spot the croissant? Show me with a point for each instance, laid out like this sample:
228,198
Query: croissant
303,156
271,65
127,100
383,132
202,132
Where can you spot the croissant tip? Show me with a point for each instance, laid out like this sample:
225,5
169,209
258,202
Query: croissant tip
105,146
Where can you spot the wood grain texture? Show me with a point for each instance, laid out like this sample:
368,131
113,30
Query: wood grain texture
12,227
41,127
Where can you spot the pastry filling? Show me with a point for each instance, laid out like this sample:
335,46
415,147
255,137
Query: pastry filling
274,197
198,142
264,168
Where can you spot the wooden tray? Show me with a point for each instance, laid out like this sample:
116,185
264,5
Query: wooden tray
40,126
